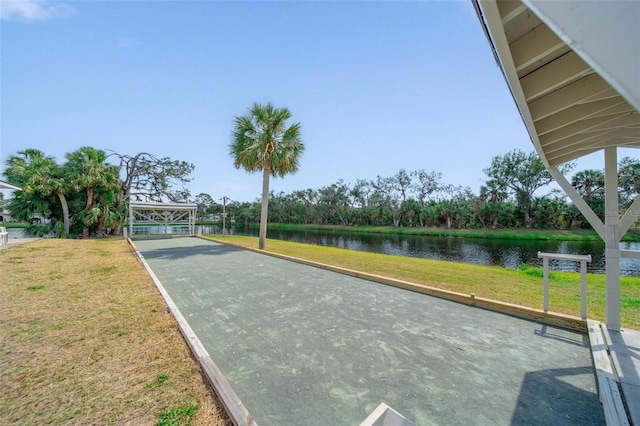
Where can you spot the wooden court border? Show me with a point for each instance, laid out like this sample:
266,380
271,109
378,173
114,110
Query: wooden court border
233,405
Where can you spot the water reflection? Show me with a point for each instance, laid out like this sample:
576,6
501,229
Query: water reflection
483,251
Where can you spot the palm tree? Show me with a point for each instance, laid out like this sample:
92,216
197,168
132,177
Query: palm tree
39,176
589,184
261,141
87,170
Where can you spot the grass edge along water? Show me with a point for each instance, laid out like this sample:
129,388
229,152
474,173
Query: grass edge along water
521,287
510,234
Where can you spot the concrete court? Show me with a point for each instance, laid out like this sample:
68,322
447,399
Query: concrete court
305,346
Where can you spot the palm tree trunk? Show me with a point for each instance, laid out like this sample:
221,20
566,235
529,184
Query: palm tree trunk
87,209
265,206
101,230
65,212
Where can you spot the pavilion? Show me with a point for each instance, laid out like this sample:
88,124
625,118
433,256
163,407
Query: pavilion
6,185
573,68
163,214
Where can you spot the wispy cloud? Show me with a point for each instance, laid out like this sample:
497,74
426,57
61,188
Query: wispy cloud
33,10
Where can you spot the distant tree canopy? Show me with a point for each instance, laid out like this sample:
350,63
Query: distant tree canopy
206,206
510,198
87,196
522,175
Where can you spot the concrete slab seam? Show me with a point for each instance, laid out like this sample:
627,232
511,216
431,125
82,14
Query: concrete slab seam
233,405
568,322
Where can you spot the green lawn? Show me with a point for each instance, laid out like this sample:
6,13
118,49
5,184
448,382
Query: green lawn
521,287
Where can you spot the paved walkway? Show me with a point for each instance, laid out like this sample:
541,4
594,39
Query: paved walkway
624,347
12,242
306,346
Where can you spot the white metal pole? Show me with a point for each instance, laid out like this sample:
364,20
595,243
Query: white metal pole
583,289
545,274
166,221
612,240
224,214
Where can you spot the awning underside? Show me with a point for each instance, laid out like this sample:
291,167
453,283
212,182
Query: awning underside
568,107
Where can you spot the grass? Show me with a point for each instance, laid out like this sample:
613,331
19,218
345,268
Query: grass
86,339
180,415
522,287
161,379
83,334
511,234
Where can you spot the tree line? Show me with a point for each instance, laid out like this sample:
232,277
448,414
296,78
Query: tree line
87,195
509,199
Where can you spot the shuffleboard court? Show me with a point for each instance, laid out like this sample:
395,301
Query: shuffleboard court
306,346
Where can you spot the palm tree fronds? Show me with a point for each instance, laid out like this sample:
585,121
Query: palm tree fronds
261,141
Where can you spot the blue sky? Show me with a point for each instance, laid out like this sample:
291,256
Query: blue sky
376,86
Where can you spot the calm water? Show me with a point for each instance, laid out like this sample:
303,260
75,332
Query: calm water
483,251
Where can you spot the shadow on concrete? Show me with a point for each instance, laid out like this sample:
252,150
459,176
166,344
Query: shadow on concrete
175,253
546,333
548,397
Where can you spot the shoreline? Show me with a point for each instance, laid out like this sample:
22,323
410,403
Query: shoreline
504,234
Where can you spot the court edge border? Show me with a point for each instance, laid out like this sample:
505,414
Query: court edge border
234,407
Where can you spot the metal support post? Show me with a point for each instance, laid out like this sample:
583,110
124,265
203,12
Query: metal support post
224,214
545,274
612,239
583,290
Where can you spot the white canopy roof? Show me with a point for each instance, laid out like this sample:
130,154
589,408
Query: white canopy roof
573,68
147,205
